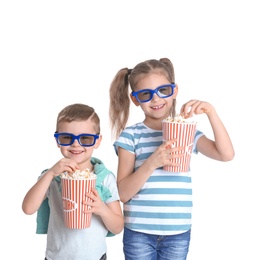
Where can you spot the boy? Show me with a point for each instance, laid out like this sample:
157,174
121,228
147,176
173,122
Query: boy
77,135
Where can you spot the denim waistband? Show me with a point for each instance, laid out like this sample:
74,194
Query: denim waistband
103,257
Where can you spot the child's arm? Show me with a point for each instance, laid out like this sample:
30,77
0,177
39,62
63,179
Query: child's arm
35,196
110,213
221,148
129,181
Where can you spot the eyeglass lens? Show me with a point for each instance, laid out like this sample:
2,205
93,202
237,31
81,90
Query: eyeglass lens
163,91
68,139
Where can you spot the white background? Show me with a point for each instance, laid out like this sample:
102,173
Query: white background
55,53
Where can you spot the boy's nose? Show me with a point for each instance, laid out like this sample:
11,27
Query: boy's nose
76,142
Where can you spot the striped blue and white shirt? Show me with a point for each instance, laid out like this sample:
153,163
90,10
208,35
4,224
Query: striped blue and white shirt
163,206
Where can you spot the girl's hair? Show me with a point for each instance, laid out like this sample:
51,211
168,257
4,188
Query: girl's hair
78,112
119,92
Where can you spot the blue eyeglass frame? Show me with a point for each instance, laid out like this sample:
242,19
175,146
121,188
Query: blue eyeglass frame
75,137
152,91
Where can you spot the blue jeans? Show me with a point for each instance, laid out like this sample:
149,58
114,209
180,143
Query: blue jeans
143,246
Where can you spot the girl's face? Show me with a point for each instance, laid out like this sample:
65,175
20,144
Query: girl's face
76,152
157,108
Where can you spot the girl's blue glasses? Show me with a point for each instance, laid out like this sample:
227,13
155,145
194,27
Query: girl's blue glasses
66,139
146,95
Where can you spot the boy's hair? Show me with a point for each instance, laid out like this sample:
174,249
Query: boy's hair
78,112
119,92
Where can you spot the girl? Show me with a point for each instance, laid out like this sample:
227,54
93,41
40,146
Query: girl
157,204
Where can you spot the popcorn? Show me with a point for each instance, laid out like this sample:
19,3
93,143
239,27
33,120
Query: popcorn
79,175
178,119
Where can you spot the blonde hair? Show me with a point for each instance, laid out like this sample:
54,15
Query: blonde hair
119,89
78,112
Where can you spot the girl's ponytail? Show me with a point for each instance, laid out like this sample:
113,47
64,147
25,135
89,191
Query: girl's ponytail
119,101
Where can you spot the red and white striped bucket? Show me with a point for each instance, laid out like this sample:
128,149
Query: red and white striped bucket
184,133
73,195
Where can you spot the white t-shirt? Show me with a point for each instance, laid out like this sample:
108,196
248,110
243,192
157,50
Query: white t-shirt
82,244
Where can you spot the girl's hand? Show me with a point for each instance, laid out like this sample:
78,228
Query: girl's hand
95,204
195,107
166,154
174,153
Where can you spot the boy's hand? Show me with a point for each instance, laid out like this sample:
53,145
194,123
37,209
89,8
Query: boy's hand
95,204
63,165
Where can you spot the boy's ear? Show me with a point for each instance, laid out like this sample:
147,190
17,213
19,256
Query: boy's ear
134,100
56,142
98,141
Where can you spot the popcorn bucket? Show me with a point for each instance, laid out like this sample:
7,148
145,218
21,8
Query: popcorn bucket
73,195
184,133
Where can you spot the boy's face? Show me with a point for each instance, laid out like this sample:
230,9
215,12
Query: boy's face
76,152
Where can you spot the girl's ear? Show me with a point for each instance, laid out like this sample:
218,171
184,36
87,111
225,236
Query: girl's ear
175,91
134,100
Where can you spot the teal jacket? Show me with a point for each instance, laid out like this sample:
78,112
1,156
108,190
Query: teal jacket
42,219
